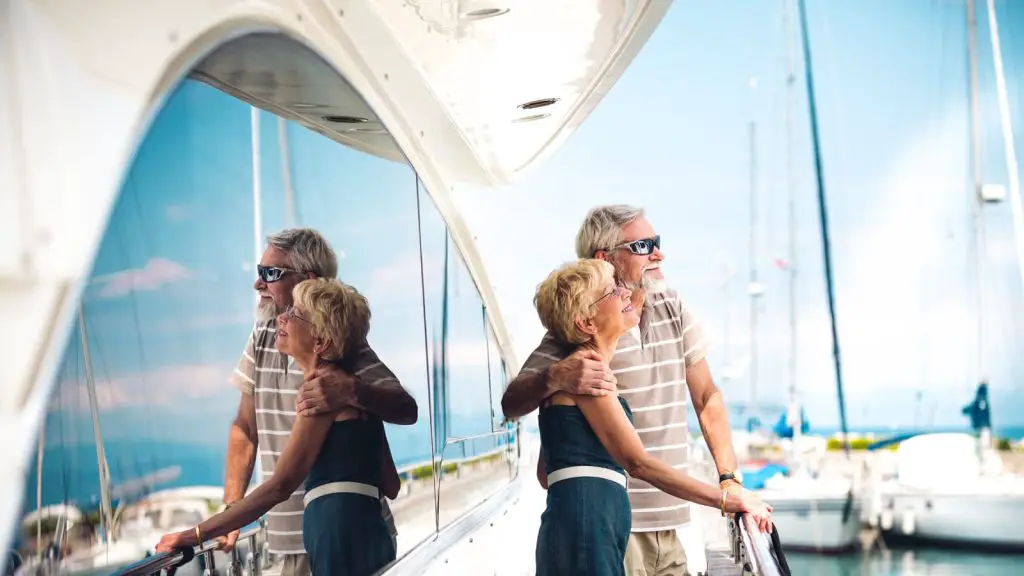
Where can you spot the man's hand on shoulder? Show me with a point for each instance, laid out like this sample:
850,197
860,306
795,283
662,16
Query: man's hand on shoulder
327,389
583,372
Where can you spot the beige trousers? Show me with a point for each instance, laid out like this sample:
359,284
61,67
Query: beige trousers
289,565
655,554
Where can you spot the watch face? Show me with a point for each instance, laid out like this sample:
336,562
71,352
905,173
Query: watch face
739,476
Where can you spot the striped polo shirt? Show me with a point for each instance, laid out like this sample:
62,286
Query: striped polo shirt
650,365
275,380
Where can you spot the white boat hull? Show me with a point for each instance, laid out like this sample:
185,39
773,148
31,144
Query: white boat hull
949,488
819,523
952,517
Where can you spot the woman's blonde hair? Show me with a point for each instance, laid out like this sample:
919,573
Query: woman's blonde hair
567,294
337,312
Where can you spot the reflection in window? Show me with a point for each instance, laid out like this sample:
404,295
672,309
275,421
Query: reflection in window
169,306
462,391
163,314
366,207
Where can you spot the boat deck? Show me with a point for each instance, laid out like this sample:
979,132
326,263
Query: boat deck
721,563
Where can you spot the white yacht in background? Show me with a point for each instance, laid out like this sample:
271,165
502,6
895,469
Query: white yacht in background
951,488
946,490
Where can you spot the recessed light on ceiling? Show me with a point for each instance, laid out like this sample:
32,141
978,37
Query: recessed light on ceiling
530,118
303,105
534,104
364,131
481,13
346,119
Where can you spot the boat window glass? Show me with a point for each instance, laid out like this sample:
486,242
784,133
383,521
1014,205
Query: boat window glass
475,460
169,304
496,379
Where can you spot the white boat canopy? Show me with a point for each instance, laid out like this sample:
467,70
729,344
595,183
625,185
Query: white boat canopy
471,91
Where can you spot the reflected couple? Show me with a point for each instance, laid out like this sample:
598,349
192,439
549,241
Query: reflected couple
589,442
313,357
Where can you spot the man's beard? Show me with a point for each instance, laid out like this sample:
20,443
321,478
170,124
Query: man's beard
648,283
654,285
266,310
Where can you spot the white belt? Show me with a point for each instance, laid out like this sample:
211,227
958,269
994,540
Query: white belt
586,472
340,488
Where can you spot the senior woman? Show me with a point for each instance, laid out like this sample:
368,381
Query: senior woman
342,456
589,443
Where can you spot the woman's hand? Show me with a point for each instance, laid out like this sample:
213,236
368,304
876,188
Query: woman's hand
169,542
751,504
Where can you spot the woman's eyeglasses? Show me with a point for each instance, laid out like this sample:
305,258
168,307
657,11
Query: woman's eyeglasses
616,291
290,314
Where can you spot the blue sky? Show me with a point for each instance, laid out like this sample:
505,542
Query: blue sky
891,91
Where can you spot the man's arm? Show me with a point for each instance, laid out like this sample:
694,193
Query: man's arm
549,370
242,443
542,474
390,482
712,415
525,393
371,387
707,399
243,437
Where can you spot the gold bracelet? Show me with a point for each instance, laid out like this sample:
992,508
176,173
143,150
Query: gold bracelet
199,536
725,495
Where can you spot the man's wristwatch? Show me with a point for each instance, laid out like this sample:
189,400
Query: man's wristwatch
736,477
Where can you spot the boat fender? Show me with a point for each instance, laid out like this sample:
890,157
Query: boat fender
886,519
909,525
848,506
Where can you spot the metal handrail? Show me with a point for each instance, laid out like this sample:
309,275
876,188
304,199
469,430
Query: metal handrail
458,440
171,561
759,552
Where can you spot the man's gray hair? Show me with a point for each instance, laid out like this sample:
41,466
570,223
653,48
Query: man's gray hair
307,250
602,228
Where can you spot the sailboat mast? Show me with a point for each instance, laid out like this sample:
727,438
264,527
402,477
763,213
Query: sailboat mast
39,485
101,457
754,285
286,170
826,247
792,223
1012,167
257,203
977,206
257,220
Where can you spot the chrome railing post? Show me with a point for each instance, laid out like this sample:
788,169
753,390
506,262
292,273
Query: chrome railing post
211,566
257,554
235,563
252,562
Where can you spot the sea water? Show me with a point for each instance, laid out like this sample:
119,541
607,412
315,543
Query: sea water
908,562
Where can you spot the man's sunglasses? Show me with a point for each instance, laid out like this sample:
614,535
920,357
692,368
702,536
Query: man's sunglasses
271,274
642,247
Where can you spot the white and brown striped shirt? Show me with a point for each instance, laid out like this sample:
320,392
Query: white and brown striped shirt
650,365
275,380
